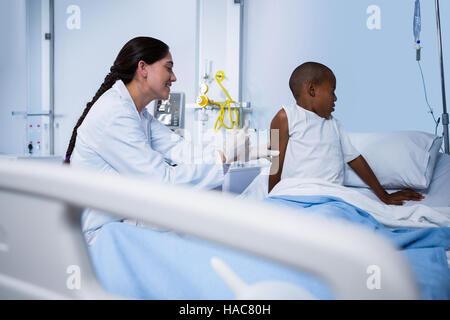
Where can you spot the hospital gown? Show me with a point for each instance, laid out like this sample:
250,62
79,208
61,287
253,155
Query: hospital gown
317,148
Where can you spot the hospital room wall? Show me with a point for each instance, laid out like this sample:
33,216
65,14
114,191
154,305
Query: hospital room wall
84,55
378,81
13,75
379,86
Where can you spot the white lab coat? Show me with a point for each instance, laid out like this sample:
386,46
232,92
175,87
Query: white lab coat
115,138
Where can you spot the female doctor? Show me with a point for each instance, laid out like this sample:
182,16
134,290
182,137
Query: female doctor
116,134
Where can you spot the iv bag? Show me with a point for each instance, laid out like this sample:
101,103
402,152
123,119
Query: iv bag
417,26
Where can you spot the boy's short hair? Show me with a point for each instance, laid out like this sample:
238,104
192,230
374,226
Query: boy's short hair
308,71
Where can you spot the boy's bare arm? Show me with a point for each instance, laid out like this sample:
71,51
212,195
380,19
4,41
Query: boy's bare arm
280,123
362,168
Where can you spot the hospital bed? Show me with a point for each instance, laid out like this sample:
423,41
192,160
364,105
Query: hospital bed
42,249
408,159
427,169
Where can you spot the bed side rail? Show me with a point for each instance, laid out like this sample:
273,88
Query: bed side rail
343,255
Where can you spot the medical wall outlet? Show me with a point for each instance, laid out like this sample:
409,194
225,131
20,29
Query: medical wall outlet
171,112
203,101
37,137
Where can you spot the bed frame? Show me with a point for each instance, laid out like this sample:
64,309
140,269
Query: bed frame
42,248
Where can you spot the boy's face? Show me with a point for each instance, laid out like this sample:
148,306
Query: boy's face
325,97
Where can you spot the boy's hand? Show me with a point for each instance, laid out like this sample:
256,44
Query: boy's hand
399,197
364,171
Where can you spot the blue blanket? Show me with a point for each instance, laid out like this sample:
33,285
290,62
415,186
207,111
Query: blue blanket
141,263
424,248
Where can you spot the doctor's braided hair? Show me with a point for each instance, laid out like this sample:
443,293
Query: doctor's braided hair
146,49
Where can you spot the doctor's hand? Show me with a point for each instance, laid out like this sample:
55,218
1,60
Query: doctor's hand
399,197
262,151
236,145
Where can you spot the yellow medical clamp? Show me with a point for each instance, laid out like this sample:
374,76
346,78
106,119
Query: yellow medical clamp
203,101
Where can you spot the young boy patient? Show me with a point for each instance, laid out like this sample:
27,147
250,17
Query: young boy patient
313,144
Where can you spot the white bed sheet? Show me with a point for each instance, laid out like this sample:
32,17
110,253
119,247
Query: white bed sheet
437,194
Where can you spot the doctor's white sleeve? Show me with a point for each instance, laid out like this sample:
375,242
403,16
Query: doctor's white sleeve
178,149
124,145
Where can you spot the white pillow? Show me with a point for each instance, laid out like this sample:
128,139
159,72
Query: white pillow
401,159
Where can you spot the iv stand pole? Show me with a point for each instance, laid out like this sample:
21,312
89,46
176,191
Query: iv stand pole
445,119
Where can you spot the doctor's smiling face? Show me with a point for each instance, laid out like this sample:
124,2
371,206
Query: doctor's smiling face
159,77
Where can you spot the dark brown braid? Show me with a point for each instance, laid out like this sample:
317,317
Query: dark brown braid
147,49
110,79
